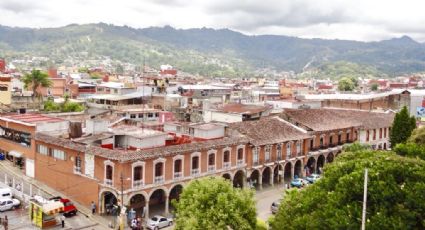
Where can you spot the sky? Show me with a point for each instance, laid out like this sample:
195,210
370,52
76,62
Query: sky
362,20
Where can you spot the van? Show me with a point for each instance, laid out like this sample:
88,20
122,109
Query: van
5,193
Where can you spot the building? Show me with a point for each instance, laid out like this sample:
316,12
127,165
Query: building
235,113
2,65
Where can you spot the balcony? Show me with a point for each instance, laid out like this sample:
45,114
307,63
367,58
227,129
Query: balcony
194,172
108,182
178,175
211,168
226,165
159,179
240,162
138,183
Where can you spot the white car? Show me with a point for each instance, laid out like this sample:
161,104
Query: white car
8,204
158,222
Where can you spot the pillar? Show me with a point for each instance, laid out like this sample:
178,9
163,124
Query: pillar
167,201
244,180
30,190
315,165
147,209
260,181
271,179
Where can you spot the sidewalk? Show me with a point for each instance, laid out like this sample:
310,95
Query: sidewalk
38,187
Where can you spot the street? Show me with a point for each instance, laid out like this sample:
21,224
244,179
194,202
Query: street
265,198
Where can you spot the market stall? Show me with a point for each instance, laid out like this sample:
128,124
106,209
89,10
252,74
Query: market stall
43,213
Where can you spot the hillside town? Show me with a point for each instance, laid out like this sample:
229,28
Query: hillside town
137,139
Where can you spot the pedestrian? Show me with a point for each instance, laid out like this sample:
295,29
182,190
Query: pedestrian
134,223
139,223
5,223
63,220
93,208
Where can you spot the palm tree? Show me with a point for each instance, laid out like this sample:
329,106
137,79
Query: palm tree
35,80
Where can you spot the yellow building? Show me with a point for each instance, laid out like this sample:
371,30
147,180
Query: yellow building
5,91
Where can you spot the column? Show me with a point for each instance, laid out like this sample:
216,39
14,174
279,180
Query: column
271,179
292,171
260,181
147,209
245,185
30,190
167,201
315,165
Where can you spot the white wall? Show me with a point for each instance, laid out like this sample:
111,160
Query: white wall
209,134
55,127
96,126
147,142
221,117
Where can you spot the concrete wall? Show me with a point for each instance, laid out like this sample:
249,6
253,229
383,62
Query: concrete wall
221,117
209,134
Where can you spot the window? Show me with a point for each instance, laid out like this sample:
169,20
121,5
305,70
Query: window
59,154
385,132
195,162
132,115
177,165
380,133
367,135
298,147
211,162
255,155
288,150
267,150
339,138
331,139
321,142
226,156
140,115
240,156
158,169
42,149
137,173
374,134
109,172
279,151
77,164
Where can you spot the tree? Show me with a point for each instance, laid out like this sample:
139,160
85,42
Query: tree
396,200
418,136
374,87
213,203
35,80
402,127
345,84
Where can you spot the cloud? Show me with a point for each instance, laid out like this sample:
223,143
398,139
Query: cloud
342,19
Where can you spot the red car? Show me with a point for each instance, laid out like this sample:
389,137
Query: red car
69,208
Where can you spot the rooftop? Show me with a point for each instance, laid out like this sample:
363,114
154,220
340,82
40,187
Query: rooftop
134,131
30,118
242,108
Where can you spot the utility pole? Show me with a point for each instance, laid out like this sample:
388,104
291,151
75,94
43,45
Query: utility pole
364,200
122,203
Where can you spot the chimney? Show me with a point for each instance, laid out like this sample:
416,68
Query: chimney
75,130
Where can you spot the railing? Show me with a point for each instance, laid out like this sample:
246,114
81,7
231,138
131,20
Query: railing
211,168
77,169
178,175
137,183
226,165
108,182
240,162
194,172
159,179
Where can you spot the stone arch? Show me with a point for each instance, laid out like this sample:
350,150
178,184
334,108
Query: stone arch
175,192
107,199
330,158
157,201
277,174
137,202
267,176
254,178
239,179
310,166
287,175
298,168
320,163
227,176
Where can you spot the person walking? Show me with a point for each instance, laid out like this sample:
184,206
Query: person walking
93,208
5,223
63,220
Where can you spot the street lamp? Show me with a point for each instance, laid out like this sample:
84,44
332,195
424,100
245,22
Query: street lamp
122,210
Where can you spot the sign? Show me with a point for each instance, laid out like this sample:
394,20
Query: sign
420,111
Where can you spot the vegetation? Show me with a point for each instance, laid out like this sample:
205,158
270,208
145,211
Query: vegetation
346,84
213,203
67,106
355,147
402,127
418,136
415,146
396,188
35,80
374,87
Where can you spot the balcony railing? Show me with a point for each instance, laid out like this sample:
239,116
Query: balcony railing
178,175
226,165
211,168
108,182
240,162
138,183
194,172
159,179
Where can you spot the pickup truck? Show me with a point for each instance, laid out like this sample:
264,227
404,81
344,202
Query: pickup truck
69,208
8,204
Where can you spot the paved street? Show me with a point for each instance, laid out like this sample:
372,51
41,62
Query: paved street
265,198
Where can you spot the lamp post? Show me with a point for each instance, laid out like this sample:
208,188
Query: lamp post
122,209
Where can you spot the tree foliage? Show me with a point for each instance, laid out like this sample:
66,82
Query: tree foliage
374,87
396,195
213,203
402,127
410,150
418,136
356,146
35,80
346,84
67,106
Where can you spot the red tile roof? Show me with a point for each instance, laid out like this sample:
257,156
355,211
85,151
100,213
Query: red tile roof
32,118
242,109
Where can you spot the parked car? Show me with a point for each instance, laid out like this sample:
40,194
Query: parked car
298,182
158,222
5,193
313,178
8,204
69,208
275,206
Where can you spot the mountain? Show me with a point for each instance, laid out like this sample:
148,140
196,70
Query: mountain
209,51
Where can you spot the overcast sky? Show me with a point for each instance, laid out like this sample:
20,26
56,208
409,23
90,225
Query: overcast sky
365,20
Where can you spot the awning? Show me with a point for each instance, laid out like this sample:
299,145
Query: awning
53,207
15,154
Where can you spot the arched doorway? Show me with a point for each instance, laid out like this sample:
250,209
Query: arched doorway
109,203
175,194
254,179
298,169
287,173
267,175
227,176
320,164
238,179
277,174
311,166
385,146
157,202
137,203
330,158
